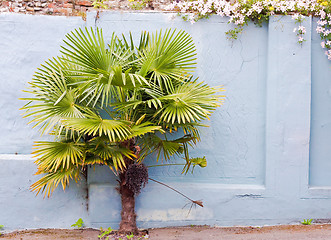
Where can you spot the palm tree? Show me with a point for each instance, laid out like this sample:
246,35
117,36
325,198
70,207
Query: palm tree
113,104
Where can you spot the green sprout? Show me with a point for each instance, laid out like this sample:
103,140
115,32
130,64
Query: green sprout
1,227
105,232
78,224
306,221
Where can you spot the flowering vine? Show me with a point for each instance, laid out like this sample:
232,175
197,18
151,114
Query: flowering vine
301,30
242,12
324,29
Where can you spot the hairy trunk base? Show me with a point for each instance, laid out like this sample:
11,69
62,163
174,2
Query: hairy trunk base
128,223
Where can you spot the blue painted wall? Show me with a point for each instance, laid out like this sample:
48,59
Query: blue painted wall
267,146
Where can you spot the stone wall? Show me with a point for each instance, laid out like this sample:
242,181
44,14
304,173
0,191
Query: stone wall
49,7
77,7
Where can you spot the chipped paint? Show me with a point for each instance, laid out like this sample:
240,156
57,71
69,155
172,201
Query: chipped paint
175,214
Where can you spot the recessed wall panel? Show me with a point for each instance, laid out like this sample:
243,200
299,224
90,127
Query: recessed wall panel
320,138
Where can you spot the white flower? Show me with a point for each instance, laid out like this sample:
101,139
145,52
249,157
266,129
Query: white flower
239,13
319,29
302,29
321,23
295,16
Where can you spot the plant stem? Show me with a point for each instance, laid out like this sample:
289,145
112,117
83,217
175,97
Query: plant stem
171,189
195,202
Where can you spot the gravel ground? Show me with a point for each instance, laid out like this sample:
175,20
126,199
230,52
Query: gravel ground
284,232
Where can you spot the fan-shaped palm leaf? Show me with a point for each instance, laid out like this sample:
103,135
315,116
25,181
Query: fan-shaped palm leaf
115,130
168,58
144,128
49,182
189,102
58,155
164,147
112,154
100,69
52,101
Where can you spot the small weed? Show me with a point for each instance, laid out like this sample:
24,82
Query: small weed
139,4
78,224
233,34
100,4
306,221
105,232
1,227
129,236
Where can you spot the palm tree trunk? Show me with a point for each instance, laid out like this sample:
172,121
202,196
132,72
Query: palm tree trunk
128,223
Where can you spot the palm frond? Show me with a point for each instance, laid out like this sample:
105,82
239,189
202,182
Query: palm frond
52,101
100,70
126,79
168,58
189,102
197,161
146,98
53,156
163,147
111,154
87,49
144,40
115,130
144,128
49,182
